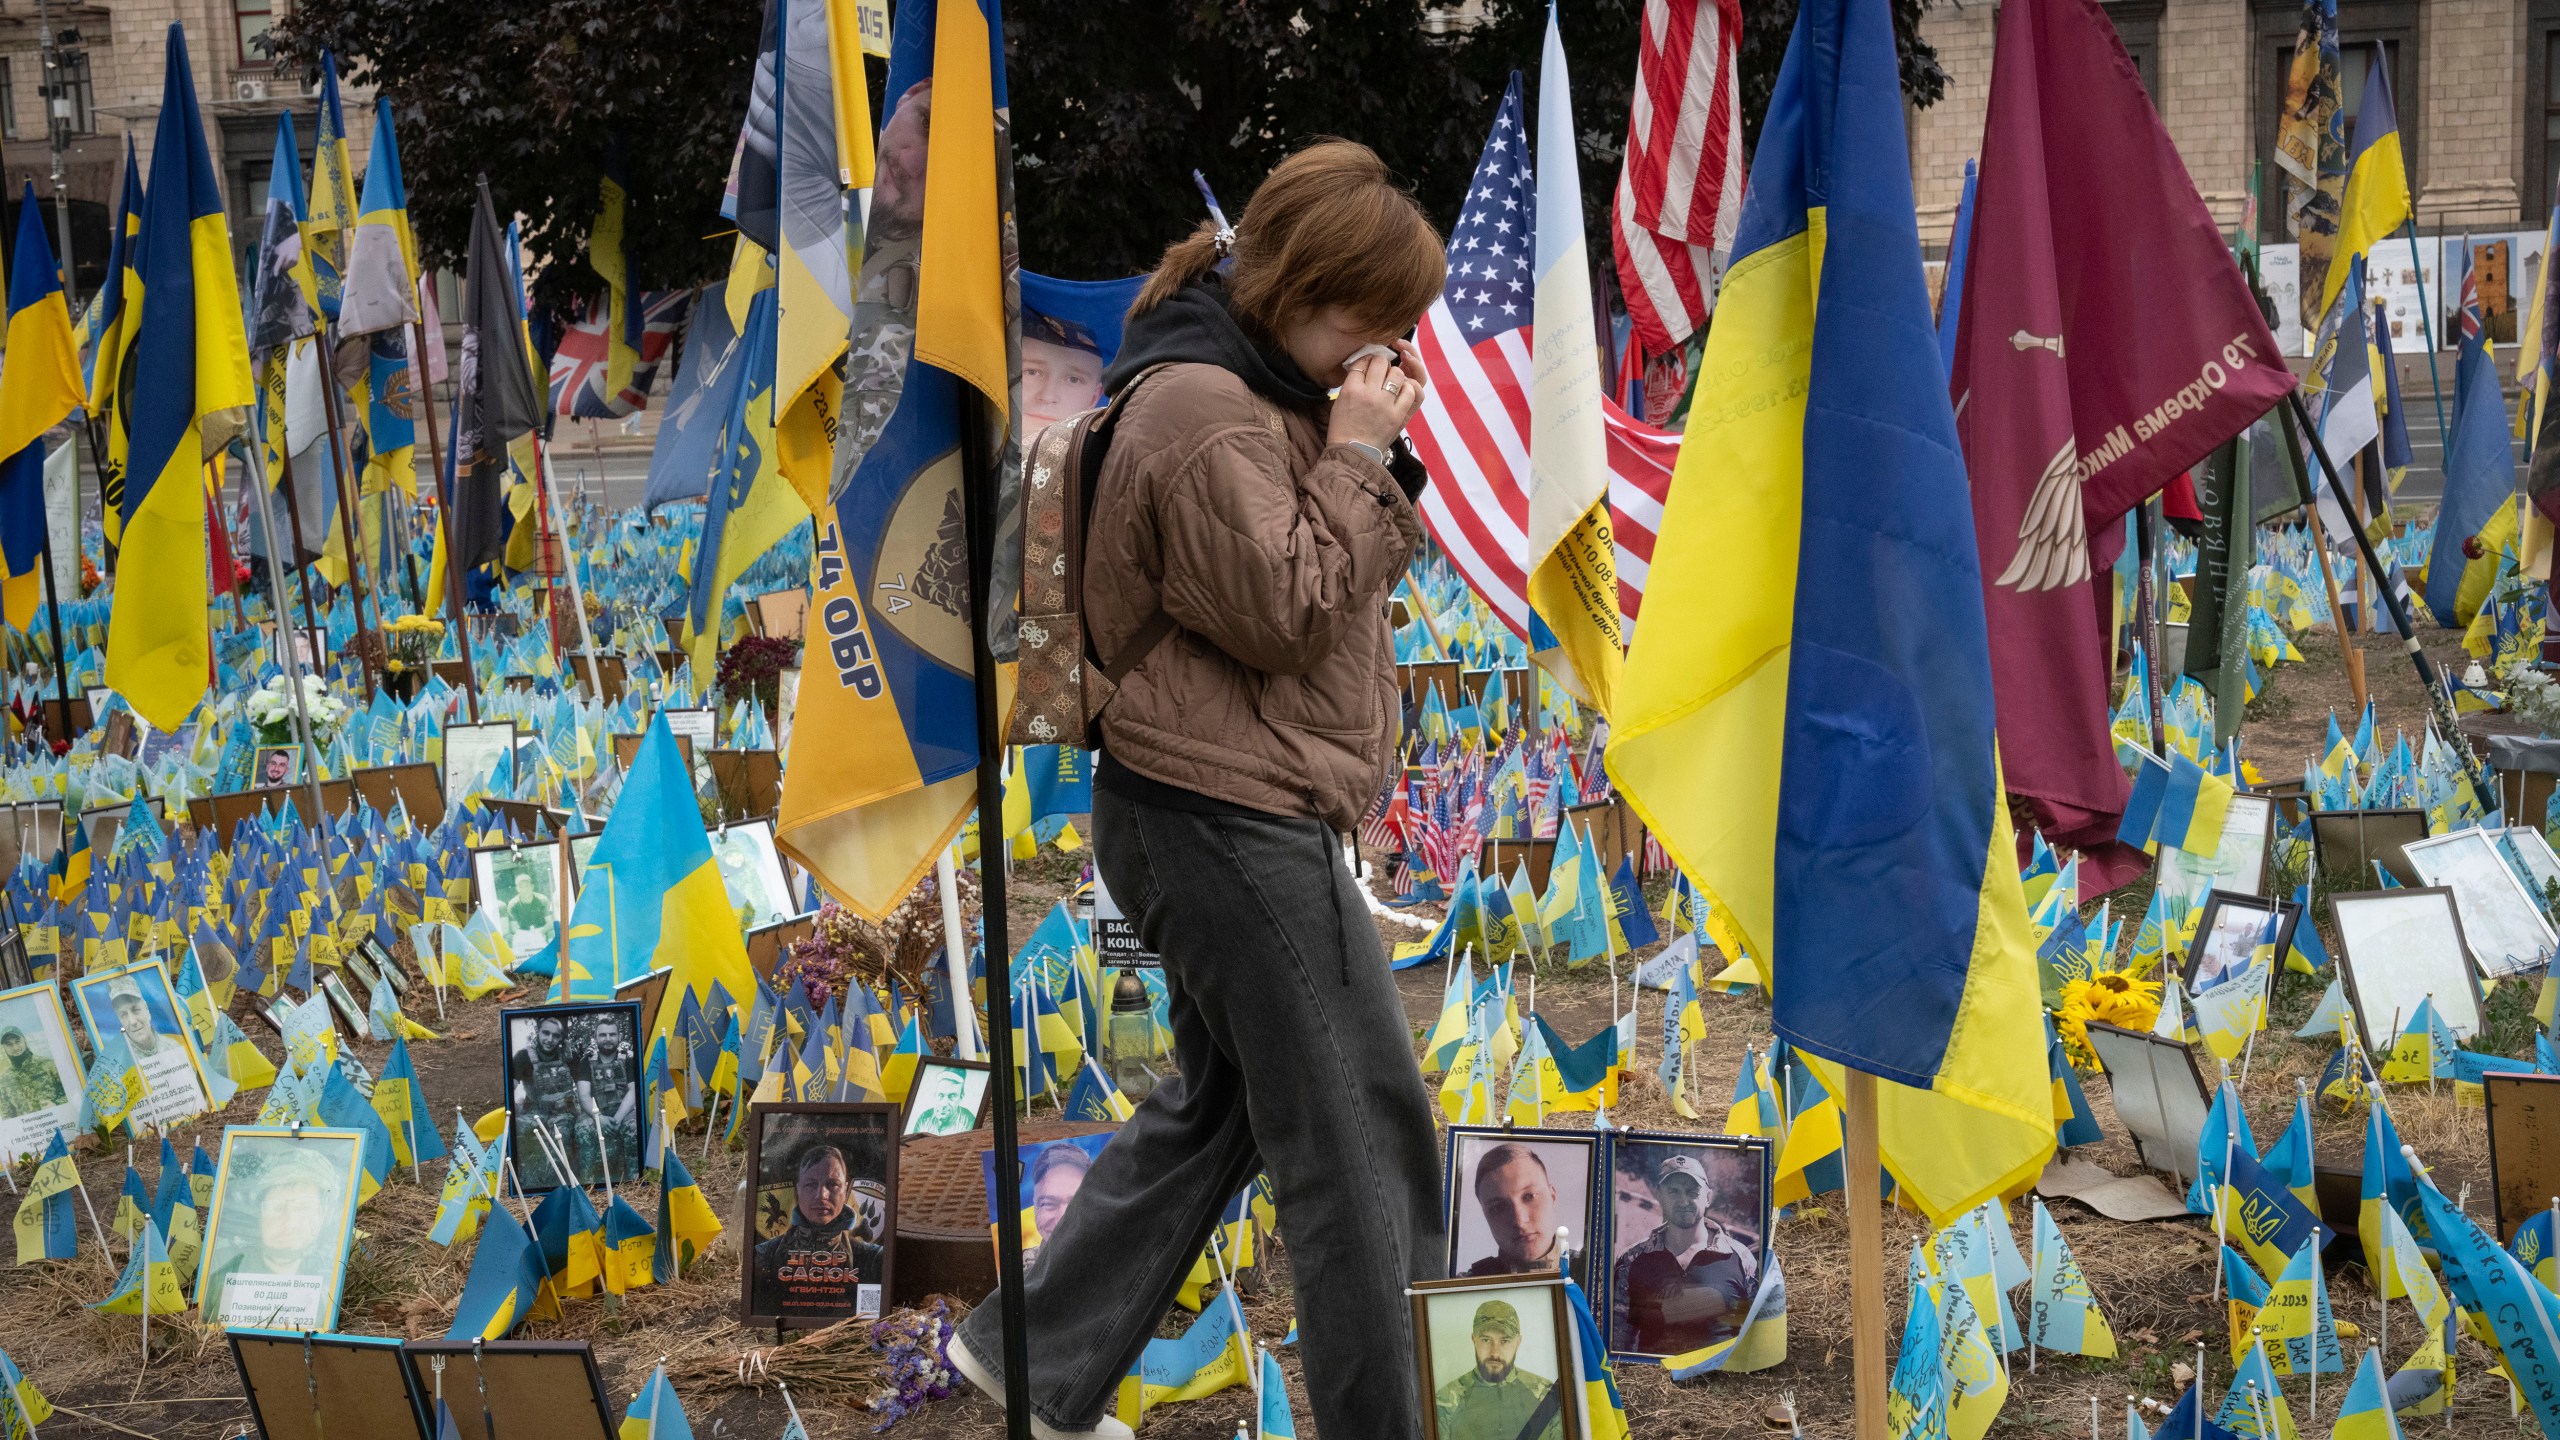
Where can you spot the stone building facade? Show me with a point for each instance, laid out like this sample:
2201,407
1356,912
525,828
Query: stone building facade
2475,83
109,67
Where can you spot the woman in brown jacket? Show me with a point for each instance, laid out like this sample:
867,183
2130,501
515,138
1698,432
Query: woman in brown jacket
1269,522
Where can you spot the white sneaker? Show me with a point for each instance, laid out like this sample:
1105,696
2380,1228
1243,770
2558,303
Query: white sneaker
976,1372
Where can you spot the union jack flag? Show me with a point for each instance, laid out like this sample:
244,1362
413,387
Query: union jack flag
578,366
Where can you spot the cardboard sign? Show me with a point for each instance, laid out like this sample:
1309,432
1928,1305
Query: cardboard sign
1115,936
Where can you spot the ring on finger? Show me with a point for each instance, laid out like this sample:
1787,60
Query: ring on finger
1394,387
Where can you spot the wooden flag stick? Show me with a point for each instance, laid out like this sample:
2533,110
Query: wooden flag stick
1867,1343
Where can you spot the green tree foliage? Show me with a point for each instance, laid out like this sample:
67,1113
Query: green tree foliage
1113,107
531,94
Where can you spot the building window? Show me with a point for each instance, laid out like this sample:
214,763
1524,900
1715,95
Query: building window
2137,24
254,18
2362,24
73,101
2542,111
9,97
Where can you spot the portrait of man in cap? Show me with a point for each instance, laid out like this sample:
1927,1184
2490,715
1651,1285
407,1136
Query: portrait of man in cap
1689,1282
277,1248
1061,371
1497,1399
132,1012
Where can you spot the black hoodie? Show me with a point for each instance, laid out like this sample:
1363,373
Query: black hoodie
1197,325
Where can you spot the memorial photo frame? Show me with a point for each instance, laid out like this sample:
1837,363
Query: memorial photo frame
2501,921
2398,947
1504,1192
520,889
823,1238
948,1097
133,1018
2357,840
751,870
304,1386
2532,858
2524,1145
2240,861
1459,1346
549,1388
470,753
41,1078
276,765
2228,919
280,1227
561,1060
1680,1211
2160,1095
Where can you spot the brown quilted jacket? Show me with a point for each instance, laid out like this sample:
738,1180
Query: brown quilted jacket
1274,553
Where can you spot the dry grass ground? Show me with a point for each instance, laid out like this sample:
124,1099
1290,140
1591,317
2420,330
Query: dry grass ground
2153,1281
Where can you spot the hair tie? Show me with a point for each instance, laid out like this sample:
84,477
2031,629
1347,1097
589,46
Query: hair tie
1225,243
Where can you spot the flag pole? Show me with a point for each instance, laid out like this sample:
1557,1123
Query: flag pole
1861,1167
2439,703
2427,330
977,492
53,597
347,491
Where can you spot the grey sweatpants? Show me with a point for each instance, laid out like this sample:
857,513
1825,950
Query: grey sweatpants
1296,1060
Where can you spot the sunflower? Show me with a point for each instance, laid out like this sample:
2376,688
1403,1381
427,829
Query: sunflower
2113,997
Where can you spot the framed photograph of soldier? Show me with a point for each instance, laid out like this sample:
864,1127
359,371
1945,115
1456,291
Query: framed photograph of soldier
1052,1172
549,1388
1686,1230
2399,947
383,961
2502,922
521,892
752,870
131,1015
573,1092
277,1233
470,753
1506,1193
277,765
1489,1352
40,1074
948,1097
309,1387
2229,933
825,1203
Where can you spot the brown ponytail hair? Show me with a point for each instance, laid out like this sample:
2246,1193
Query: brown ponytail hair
1328,226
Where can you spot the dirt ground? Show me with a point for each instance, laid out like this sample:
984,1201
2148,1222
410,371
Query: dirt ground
2153,1281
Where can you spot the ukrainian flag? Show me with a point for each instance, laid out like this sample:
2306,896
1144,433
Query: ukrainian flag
106,331
40,386
652,895
332,216
1811,733
887,747
191,395
2377,199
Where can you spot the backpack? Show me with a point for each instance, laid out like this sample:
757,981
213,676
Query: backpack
1062,685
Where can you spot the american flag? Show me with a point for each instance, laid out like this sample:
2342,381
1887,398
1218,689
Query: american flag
1680,192
578,366
1473,429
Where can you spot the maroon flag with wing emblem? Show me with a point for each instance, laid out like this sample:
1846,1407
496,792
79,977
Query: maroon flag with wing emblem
2107,343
